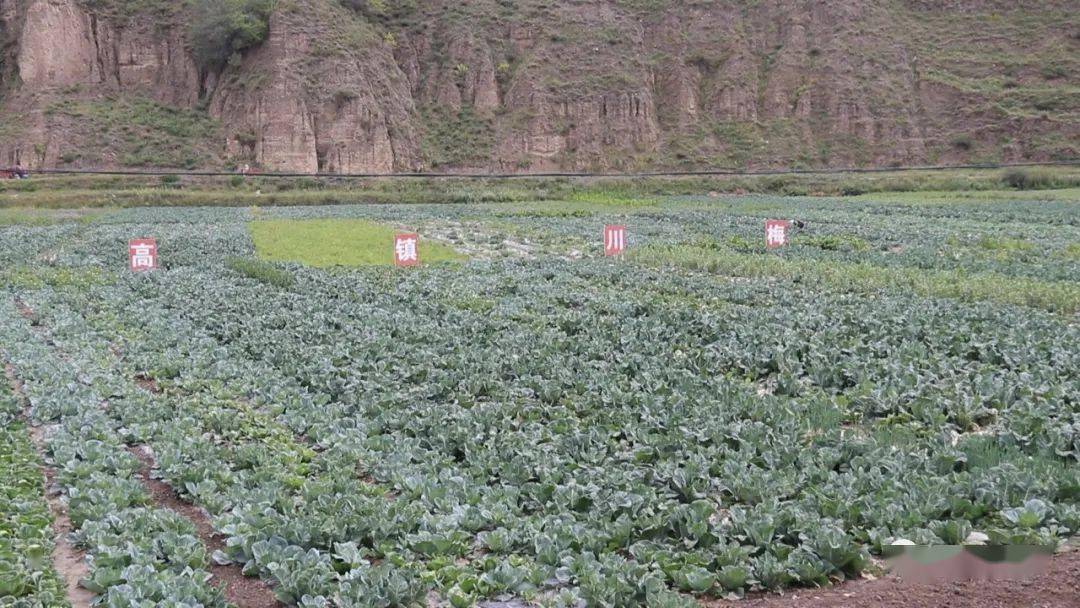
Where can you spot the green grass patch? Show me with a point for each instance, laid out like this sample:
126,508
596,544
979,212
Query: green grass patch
1056,296
575,196
549,210
1005,244
579,205
457,138
264,272
472,303
42,216
143,132
936,197
1038,179
613,197
265,192
37,277
338,242
833,243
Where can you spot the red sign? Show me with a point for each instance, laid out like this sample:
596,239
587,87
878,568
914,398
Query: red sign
406,250
614,240
142,254
776,233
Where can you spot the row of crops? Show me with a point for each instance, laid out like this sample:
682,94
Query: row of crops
26,538
560,429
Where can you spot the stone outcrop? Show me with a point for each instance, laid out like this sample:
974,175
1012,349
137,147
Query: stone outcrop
579,85
63,45
43,60
351,114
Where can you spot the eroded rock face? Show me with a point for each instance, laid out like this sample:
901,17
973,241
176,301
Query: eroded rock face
158,62
63,52
62,45
351,115
585,130
57,46
772,83
580,85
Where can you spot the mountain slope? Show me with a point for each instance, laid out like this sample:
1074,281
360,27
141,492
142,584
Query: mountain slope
372,85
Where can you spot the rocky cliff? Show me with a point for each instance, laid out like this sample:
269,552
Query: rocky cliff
352,86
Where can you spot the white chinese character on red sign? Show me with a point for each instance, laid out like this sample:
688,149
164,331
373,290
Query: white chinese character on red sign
776,233
142,254
614,240
406,252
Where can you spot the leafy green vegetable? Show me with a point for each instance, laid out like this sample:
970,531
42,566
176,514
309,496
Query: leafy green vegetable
556,427
26,537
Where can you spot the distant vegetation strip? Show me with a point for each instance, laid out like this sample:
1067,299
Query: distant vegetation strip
94,191
1056,296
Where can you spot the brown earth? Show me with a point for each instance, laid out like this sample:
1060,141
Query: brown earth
240,590
339,86
69,562
1057,587
147,383
24,310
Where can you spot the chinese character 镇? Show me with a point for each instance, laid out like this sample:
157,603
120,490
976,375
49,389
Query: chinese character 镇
406,250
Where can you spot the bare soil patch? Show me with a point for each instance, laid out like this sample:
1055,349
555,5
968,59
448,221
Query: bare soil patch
240,590
70,563
148,384
24,310
1058,587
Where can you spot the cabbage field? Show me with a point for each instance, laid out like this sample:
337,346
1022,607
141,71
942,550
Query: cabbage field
530,422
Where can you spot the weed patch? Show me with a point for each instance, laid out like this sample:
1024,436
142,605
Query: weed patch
1058,296
326,243
261,271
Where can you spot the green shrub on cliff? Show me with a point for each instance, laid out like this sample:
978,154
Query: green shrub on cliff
221,28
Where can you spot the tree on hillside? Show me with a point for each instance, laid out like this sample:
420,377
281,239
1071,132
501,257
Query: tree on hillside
222,28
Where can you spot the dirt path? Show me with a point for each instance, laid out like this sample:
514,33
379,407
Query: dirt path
240,590
69,562
1058,587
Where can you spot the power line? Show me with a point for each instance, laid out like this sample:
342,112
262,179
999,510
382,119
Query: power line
550,175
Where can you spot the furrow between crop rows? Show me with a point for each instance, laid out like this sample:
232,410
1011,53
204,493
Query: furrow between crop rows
240,590
136,552
562,429
235,429
33,522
